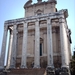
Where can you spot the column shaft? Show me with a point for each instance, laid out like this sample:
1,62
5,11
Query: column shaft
49,44
9,50
3,50
64,44
14,48
24,47
54,40
37,46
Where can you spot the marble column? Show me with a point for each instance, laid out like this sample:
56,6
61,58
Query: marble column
37,45
14,47
49,44
64,43
54,40
9,50
24,47
3,49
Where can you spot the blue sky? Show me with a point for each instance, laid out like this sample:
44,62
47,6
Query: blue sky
12,9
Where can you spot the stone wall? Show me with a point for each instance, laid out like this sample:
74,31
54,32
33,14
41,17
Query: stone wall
42,8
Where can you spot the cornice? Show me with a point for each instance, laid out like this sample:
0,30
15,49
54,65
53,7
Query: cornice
59,14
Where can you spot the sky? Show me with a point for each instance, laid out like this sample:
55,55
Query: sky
13,9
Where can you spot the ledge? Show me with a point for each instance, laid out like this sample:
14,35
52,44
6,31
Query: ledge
59,14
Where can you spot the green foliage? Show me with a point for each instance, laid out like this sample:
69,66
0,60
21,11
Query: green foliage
72,66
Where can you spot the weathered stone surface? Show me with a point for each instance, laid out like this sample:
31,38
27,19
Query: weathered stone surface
27,72
37,46
24,47
3,49
38,40
50,71
49,44
14,48
9,49
64,44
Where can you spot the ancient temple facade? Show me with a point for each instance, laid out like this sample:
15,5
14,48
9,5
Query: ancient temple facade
40,39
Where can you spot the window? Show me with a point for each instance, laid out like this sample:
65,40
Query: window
38,13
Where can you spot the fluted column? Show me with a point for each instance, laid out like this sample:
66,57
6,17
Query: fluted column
14,47
9,50
24,47
49,44
3,49
64,43
37,45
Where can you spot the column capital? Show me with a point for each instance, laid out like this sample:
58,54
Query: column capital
61,20
37,20
25,21
49,21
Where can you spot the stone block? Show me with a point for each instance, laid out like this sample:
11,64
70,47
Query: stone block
64,73
50,71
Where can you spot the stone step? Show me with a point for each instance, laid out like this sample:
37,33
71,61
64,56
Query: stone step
27,72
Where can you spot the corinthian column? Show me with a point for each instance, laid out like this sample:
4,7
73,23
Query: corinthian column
49,44
14,47
2,58
64,43
9,50
37,46
24,47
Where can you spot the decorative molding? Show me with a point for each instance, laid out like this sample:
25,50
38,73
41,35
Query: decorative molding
62,20
33,18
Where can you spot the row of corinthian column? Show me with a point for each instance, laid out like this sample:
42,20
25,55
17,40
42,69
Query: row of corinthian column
12,50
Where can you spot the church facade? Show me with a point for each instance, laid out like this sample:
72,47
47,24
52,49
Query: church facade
40,39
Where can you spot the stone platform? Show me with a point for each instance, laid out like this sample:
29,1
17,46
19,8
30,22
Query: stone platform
27,72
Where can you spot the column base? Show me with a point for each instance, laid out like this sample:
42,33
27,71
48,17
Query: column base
65,70
50,70
67,66
51,66
23,66
36,66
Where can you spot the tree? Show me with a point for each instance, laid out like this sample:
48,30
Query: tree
72,65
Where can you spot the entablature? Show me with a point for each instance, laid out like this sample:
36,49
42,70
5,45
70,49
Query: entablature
41,18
